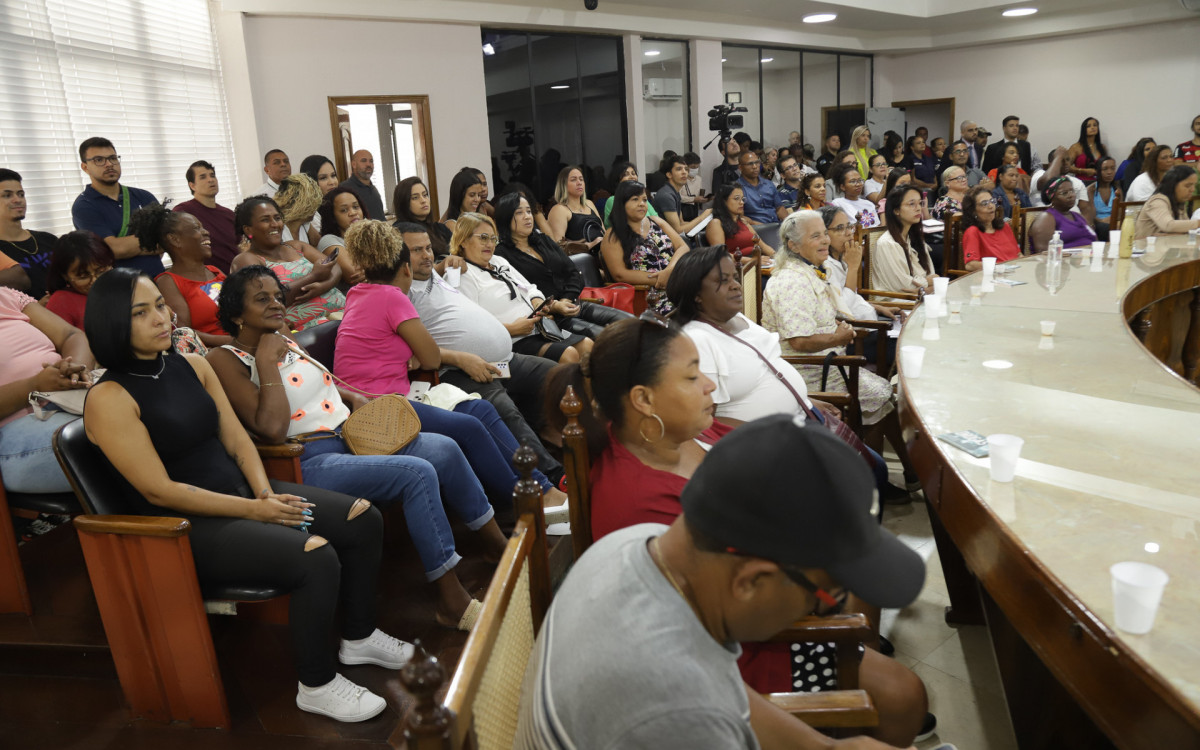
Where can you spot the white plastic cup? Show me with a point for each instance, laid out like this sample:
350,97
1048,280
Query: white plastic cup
976,294
1047,327
912,358
1114,242
989,267
933,308
1193,237
1003,452
1137,590
940,285
453,276
1097,249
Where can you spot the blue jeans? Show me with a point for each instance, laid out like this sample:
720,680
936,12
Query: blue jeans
411,478
485,440
27,462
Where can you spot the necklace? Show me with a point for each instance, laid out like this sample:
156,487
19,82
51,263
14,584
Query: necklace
23,250
244,347
656,555
153,377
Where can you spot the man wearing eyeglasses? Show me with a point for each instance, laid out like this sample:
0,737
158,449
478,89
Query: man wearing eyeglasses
105,207
763,202
957,155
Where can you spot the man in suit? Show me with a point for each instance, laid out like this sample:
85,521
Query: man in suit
969,131
995,152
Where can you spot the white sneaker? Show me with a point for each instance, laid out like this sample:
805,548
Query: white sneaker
340,699
378,648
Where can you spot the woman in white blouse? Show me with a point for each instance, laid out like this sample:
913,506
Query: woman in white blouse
901,262
493,284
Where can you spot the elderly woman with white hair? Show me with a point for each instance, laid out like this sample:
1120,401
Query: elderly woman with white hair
802,307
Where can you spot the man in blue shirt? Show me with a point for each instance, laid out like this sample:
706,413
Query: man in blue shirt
764,205
105,207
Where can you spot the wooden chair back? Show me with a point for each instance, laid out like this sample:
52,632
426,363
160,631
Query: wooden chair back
870,241
955,263
14,592
481,706
1022,219
1121,209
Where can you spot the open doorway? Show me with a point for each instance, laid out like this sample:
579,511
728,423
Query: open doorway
935,114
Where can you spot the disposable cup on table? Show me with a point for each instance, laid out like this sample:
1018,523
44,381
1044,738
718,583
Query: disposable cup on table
912,358
989,267
976,294
1047,327
1114,242
940,285
1003,453
1137,590
933,308
955,307
1098,249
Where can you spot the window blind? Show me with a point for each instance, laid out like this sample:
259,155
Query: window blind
143,73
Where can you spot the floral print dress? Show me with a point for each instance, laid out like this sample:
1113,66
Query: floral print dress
653,252
313,311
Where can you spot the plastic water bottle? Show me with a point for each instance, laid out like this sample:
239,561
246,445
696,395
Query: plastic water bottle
1054,255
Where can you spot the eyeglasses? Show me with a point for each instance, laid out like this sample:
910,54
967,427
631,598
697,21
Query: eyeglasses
790,167
985,204
753,163
962,177
911,204
841,228
100,161
959,151
854,182
487,239
832,604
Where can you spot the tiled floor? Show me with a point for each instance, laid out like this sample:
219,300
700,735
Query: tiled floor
956,663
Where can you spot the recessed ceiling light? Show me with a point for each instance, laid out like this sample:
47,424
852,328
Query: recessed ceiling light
767,59
724,60
488,49
819,17
1015,12
652,53
563,86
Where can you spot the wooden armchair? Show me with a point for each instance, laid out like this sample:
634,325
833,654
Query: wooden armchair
1022,219
594,275
846,707
956,265
1121,209
904,300
151,604
14,592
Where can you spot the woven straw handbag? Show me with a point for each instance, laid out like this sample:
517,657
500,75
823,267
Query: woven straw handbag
381,427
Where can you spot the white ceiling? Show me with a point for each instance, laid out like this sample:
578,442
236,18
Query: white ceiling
861,26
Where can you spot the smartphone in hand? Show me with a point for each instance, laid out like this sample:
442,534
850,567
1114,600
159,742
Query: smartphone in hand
331,258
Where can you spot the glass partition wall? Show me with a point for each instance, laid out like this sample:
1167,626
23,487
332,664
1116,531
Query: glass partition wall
666,103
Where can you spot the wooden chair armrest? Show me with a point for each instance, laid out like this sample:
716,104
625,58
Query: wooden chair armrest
837,399
835,708
852,628
281,450
880,293
427,376
133,525
844,360
876,325
957,272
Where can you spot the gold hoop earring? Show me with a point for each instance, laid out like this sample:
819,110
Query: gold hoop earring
662,430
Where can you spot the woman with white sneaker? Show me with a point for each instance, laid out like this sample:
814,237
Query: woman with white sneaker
163,422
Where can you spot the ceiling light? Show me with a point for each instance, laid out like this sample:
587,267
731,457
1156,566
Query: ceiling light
652,53
560,87
1015,12
724,60
488,49
819,17
766,59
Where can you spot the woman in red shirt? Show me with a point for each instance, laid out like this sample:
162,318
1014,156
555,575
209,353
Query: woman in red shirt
986,234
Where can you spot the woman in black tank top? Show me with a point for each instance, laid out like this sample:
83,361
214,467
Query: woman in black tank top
320,546
574,218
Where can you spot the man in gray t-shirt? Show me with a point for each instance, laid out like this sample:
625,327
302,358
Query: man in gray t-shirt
473,343
639,647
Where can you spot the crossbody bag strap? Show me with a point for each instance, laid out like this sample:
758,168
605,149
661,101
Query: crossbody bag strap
125,201
778,375
301,353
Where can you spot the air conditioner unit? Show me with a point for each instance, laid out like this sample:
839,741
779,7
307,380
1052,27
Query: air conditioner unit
662,88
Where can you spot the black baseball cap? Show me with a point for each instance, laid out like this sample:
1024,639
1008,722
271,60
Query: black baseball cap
791,492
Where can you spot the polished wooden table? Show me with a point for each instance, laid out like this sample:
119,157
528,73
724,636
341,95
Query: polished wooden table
1110,471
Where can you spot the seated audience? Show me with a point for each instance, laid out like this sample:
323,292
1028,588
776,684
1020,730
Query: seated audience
545,264
362,166
1042,179
1132,166
1011,155
1156,164
791,179
985,234
899,178
727,171
770,158
78,259
950,203
1188,152
466,193
163,421
1008,192
574,218
276,165
339,209
624,171
692,194
411,202
850,183
1103,193
492,283
485,206
305,406
298,198
958,155
382,333
642,249
829,152
860,146
656,179
893,149
191,286
101,207
902,262
539,218
812,192
937,148
1074,229
1165,212
1084,155
994,156
651,464
24,253
877,173
730,228
476,351
922,168
322,171
670,200
763,204
43,353
216,219
309,278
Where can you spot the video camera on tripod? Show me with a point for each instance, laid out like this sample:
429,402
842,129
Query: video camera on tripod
722,120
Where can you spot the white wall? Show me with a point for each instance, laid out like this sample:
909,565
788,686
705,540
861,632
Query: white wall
291,80
1141,81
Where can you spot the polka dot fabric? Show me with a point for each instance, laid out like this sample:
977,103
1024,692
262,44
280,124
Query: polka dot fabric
814,667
